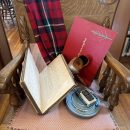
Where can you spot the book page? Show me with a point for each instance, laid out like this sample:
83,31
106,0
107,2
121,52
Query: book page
31,79
55,80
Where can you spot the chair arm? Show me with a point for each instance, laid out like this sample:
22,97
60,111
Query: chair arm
7,72
118,68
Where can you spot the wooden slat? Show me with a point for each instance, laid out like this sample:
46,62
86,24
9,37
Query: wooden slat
14,41
4,103
4,47
88,9
119,68
121,114
3,127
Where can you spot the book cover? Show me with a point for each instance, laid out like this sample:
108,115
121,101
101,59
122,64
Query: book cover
89,39
126,48
48,87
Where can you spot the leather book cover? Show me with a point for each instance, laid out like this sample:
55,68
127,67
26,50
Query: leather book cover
88,39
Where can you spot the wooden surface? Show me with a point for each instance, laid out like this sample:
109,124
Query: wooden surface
115,80
14,40
4,47
5,57
3,127
21,11
4,103
126,60
14,44
121,113
120,25
118,68
88,9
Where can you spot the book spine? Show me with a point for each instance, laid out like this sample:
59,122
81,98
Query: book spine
128,54
129,31
124,52
128,48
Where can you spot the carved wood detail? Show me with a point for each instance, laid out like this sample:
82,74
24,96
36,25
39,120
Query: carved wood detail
118,82
103,81
109,84
114,96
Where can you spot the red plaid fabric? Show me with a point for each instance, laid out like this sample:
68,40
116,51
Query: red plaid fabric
48,26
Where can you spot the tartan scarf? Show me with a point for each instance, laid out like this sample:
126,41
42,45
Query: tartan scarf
48,26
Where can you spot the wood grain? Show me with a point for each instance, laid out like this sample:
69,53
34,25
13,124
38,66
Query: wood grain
21,11
4,103
14,41
120,25
4,47
88,9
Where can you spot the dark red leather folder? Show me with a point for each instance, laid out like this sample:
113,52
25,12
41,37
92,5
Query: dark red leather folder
89,39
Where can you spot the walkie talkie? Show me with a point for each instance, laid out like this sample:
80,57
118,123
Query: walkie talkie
87,97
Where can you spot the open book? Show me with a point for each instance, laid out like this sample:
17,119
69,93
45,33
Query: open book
47,88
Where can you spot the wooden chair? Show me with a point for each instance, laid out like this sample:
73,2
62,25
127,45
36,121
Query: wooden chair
10,77
10,74
115,79
9,83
